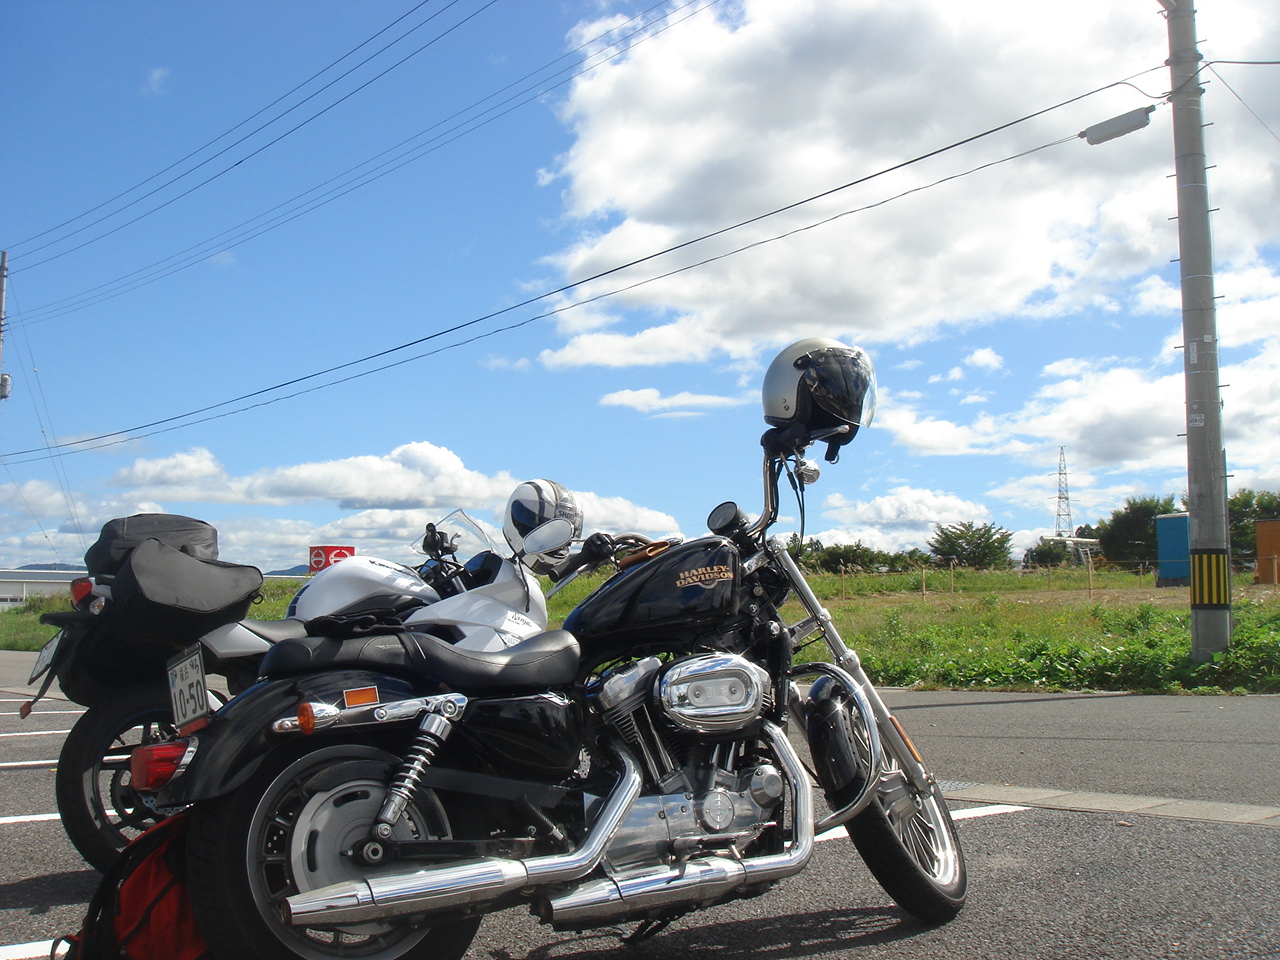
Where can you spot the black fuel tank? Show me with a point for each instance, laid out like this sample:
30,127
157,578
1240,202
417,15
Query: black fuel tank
690,586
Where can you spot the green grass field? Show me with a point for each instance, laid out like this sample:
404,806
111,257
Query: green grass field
1047,631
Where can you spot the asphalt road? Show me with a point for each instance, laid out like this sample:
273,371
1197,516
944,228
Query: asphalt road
1095,825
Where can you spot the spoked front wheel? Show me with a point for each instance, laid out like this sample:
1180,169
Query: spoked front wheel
908,840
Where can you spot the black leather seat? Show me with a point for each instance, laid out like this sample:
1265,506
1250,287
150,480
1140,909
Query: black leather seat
544,660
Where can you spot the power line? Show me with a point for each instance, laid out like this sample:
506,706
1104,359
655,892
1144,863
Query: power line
256,151
133,432
1209,66
197,253
226,133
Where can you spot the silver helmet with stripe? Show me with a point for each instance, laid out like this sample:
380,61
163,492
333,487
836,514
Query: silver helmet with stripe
532,504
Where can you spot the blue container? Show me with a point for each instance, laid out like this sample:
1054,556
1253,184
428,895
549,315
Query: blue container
1173,549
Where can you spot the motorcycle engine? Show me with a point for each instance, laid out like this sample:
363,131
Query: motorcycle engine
691,725
713,693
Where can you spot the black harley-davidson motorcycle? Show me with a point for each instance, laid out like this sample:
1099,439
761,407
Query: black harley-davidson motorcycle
376,796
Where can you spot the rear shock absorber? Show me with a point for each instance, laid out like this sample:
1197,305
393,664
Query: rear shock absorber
433,729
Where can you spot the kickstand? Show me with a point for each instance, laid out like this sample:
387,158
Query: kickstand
646,929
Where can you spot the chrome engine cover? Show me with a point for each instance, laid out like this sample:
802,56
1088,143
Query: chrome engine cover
713,693
662,830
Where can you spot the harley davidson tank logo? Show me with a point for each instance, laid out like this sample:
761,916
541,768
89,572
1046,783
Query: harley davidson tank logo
705,577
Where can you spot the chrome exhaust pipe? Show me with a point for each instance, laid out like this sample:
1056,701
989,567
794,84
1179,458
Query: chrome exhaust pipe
696,883
462,885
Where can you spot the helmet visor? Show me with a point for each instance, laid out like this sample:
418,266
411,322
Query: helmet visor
841,382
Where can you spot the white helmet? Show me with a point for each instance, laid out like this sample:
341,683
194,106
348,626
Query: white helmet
820,384
532,504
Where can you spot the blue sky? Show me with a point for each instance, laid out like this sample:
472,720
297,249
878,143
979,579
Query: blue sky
1013,304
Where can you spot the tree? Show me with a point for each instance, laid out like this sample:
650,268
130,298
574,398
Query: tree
971,545
1046,555
1129,535
859,558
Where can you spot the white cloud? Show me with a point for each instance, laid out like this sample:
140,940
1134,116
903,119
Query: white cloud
156,83
952,375
1114,418
697,128
616,515
650,400
378,504
905,517
1119,417
985,359
197,466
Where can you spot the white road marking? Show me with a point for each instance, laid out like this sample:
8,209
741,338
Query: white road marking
34,818
29,951
34,733
835,833
985,811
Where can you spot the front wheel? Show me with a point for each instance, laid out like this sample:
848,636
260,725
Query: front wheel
908,841
99,808
292,827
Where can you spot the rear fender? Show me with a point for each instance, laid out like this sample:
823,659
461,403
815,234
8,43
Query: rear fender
231,748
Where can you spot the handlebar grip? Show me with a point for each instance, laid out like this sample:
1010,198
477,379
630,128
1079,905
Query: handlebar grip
570,565
644,553
596,549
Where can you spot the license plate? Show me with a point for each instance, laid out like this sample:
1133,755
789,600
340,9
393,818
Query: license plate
45,659
188,692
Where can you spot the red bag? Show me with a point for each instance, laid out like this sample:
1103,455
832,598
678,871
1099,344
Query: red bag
142,910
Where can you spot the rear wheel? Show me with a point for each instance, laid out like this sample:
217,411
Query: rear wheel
292,828
99,809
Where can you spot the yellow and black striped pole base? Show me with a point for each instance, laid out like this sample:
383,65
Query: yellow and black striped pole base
1210,580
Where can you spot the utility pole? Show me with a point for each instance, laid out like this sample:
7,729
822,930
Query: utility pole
1206,455
4,281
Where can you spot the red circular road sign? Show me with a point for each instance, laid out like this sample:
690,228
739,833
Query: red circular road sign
327,556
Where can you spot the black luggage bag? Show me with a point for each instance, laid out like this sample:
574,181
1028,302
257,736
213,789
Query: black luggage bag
193,537
163,594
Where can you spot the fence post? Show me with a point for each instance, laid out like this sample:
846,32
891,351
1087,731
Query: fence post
1049,578
1089,566
842,595
923,589
951,575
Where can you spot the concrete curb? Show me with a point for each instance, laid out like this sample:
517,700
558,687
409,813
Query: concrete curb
1235,813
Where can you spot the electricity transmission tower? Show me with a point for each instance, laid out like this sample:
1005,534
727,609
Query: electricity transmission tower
1063,528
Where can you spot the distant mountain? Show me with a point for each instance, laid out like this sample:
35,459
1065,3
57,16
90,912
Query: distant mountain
58,567
301,570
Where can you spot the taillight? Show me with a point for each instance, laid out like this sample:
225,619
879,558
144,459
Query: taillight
81,588
155,765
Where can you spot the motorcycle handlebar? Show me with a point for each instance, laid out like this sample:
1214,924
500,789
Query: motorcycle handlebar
596,549
782,443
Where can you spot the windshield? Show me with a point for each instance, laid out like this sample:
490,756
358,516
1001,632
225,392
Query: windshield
472,537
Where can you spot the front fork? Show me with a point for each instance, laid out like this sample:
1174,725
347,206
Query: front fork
883,729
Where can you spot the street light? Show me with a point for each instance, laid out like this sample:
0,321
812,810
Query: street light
1116,126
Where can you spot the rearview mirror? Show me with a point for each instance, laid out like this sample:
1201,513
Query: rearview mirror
547,537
